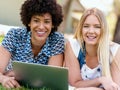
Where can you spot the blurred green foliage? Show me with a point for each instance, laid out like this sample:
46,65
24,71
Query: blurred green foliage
1,38
23,88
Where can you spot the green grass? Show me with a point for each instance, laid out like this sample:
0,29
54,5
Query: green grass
23,88
1,38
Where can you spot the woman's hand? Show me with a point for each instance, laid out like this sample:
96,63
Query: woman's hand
108,84
9,82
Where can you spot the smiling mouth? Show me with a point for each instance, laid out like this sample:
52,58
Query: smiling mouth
40,33
91,37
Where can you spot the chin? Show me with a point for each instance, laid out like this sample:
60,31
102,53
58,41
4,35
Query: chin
40,38
91,43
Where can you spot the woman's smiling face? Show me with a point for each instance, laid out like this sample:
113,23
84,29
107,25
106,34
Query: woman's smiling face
40,26
91,30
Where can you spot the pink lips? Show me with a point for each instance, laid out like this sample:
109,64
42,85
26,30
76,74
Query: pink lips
40,33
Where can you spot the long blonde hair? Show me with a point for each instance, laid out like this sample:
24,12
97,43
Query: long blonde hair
103,46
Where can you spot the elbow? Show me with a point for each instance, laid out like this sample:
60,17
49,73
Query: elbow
76,83
73,83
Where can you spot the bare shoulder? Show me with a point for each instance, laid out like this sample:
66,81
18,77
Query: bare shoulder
114,48
68,47
2,49
115,53
68,44
115,64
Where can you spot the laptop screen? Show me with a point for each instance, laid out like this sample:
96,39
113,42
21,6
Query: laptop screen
38,75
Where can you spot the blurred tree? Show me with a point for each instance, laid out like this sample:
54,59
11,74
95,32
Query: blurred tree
68,7
116,37
66,4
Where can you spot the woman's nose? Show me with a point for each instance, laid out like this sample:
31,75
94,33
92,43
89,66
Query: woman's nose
41,25
91,29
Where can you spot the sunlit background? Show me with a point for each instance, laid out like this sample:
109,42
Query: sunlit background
72,10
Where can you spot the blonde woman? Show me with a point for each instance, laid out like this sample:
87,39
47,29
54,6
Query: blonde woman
93,60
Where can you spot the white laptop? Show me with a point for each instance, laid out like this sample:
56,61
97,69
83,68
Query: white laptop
38,76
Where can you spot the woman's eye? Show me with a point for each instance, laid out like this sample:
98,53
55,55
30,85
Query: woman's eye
47,22
36,20
97,27
85,26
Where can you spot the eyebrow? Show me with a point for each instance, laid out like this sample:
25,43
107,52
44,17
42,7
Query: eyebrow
88,24
98,24
85,24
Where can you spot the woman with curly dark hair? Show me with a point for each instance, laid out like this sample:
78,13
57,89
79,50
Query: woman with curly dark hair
39,42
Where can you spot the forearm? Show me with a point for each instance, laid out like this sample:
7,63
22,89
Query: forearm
89,88
88,83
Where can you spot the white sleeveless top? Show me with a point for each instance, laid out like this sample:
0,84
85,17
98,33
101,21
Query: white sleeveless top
86,72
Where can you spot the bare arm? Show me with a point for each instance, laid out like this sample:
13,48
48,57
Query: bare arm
74,70
115,67
6,81
4,58
56,60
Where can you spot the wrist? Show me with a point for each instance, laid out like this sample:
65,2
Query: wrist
102,88
99,80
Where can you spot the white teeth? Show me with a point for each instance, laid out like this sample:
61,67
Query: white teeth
91,37
40,32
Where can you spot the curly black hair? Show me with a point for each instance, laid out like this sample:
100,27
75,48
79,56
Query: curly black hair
39,7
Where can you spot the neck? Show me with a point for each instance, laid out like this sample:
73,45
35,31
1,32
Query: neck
91,50
37,46
91,56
